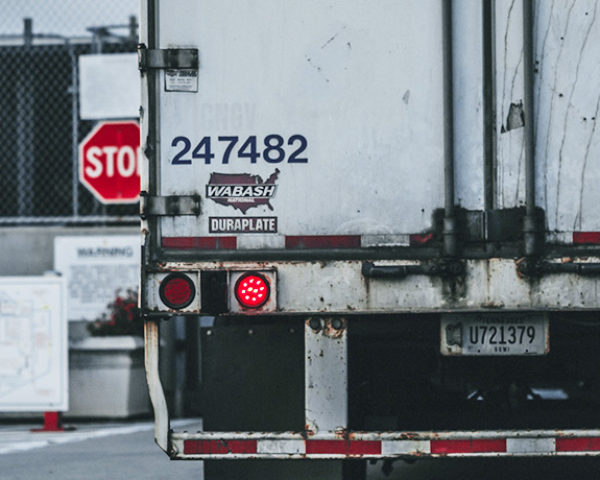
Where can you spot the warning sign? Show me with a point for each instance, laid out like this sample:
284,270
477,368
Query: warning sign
95,268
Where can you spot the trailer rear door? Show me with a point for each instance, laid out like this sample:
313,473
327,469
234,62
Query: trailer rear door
310,118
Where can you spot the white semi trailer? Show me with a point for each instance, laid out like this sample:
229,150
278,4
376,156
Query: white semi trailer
390,209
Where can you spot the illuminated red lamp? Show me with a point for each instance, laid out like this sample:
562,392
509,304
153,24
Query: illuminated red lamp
252,290
177,291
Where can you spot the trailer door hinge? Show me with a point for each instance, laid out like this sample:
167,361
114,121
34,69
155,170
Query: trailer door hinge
171,205
167,58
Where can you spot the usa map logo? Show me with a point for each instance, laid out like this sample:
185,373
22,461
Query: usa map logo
241,191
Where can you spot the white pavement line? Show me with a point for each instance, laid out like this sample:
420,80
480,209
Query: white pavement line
24,440
22,447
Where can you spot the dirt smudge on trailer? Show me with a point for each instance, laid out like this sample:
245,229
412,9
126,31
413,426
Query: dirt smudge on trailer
454,289
332,38
317,68
326,44
409,436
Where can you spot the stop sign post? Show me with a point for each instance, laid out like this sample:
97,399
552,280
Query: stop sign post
109,160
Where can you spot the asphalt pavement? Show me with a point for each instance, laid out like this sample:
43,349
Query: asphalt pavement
96,451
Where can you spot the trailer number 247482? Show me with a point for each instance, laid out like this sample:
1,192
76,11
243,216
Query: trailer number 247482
271,149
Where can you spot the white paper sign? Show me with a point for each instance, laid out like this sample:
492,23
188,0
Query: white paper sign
95,269
109,86
33,345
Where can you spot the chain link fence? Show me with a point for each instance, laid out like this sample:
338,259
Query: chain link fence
40,125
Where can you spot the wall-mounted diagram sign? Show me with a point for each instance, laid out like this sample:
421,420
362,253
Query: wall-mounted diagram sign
33,345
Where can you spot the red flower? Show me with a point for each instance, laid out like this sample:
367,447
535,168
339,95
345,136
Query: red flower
122,317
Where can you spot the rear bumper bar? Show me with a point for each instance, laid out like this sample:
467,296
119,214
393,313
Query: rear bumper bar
367,445
326,397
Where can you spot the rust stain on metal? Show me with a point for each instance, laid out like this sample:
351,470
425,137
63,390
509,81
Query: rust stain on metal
409,436
330,324
328,327
344,434
517,263
418,453
492,304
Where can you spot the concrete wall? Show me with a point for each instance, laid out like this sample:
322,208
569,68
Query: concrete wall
30,250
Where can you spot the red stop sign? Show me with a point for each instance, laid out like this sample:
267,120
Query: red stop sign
109,159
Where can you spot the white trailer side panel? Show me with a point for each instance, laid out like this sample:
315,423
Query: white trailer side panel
567,100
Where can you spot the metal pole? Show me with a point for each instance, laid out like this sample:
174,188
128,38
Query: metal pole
529,225
25,127
489,107
132,29
27,32
74,129
450,242
152,119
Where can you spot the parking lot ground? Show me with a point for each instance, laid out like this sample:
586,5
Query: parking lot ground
91,451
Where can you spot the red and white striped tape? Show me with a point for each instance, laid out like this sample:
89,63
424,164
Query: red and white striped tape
299,242
334,448
586,238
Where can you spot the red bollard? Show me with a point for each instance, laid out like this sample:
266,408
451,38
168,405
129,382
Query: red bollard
52,423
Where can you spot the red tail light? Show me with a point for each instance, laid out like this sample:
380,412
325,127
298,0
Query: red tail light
177,291
252,290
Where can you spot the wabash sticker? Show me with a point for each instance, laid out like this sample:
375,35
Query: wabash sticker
242,224
241,190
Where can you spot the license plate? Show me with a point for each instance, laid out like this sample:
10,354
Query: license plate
495,334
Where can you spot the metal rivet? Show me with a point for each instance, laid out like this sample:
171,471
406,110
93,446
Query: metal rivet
337,323
315,324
